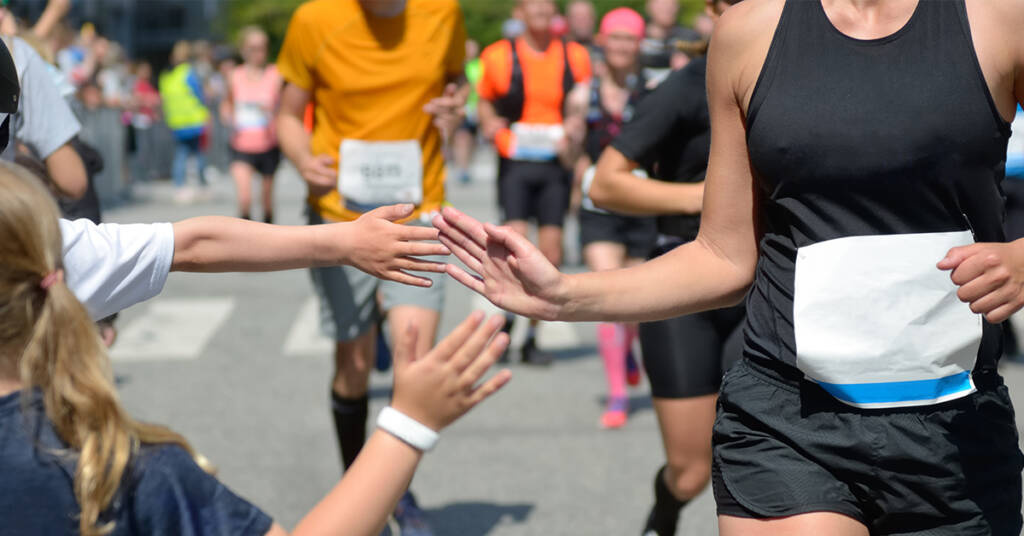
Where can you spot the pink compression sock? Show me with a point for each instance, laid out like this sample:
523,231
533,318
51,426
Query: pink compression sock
611,342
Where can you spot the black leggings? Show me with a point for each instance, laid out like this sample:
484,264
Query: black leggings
686,356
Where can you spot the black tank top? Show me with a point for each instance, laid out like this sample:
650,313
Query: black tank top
847,137
604,126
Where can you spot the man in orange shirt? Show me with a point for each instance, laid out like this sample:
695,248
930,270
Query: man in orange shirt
380,76
522,98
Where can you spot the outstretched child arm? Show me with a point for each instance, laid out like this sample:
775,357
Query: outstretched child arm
434,389
373,243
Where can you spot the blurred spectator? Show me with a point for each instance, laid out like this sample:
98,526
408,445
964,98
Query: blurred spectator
703,25
465,139
145,112
659,52
514,26
186,114
582,18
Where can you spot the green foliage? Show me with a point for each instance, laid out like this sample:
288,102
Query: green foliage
483,17
271,15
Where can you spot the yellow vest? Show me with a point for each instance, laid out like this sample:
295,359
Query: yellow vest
182,109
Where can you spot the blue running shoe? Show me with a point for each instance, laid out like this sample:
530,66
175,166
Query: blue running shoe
412,521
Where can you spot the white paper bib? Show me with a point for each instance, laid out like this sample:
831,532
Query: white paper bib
376,173
535,142
877,325
250,116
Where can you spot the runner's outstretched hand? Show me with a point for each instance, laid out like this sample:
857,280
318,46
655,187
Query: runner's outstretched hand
442,385
990,277
511,272
377,245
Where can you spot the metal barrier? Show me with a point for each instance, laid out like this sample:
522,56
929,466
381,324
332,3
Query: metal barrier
105,130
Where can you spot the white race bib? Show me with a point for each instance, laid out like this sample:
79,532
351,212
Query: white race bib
877,325
250,116
534,142
376,173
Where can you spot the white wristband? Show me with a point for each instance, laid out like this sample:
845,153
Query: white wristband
407,429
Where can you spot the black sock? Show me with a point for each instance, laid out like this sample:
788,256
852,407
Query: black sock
268,217
349,425
665,514
245,216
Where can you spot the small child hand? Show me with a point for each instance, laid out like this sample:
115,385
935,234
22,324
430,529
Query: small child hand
439,387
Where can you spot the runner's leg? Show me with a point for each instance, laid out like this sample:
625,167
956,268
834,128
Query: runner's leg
812,524
242,173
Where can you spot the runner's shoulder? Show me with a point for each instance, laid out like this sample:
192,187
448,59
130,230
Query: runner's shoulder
741,39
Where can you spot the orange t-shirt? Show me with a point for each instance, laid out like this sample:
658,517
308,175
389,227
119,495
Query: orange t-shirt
371,76
542,80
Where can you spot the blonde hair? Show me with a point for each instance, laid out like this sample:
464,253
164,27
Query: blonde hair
181,53
49,340
248,31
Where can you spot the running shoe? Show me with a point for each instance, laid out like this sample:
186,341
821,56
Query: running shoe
412,521
507,330
632,369
531,355
615,414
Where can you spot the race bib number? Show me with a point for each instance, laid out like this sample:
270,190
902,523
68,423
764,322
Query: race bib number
877,325
250,116
536,143
377,173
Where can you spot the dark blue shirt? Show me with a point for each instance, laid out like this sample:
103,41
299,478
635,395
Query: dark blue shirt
164,491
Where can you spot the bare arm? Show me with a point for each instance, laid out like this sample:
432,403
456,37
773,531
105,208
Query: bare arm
54,12
575,125
435,390
713,271
616,188
319,171
490,121
372,243
66,169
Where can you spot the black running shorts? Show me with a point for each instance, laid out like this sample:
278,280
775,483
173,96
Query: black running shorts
637,234
783,446
533,190
264,163
686,356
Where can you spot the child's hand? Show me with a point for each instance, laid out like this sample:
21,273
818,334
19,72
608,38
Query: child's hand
441,386
377,245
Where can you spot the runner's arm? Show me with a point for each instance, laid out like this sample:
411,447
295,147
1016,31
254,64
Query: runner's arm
713,271
490,121
616,188
318,171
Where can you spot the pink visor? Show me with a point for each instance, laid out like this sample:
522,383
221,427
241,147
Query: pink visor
623,19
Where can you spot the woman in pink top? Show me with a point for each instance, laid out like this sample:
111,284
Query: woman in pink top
255,88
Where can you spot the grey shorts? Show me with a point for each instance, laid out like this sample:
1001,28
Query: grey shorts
348,296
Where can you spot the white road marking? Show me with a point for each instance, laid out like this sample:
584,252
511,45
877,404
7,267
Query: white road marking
550,335
173,329
304,338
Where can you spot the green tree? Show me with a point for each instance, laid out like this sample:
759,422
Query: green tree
483,17
271,15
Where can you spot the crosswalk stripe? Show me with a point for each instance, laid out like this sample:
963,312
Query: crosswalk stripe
172,328
304,337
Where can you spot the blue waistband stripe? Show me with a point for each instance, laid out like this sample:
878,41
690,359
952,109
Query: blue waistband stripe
891,392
